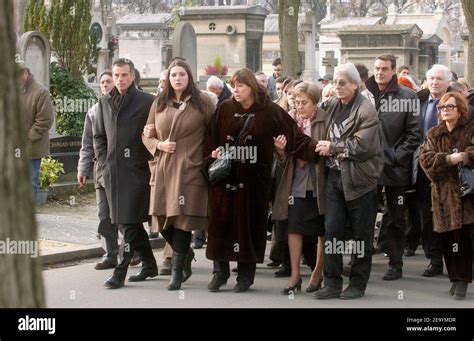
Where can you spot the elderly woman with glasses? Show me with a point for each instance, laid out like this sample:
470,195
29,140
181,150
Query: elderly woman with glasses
447,145
353,148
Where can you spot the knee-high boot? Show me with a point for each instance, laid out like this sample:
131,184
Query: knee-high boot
177,265
187,272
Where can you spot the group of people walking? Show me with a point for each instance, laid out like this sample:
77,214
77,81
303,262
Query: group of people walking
323,167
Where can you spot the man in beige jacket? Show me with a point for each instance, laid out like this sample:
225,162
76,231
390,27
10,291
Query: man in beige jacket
39,110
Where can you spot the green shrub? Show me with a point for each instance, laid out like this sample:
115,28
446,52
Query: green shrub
72,98
49,172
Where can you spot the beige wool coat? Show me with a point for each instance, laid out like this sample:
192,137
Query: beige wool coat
178,186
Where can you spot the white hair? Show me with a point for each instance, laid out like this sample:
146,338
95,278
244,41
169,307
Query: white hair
448,75
215,82
350,71
213,97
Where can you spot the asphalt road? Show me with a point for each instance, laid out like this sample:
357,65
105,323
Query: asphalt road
81,286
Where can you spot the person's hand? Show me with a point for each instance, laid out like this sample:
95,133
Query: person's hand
167,146
216,153
149,131
456,158
81,179
323,148
280,143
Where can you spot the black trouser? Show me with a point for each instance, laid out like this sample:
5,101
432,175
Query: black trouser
360,214
457,248
414,227
396,223
135,239
430,240
178,239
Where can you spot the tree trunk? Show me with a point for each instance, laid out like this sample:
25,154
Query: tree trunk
468,6
288,27
21,284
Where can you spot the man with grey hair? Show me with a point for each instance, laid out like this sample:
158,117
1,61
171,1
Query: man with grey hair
355,161
438,79
40,117
217,86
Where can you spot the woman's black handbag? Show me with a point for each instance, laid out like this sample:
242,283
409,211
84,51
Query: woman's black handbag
220,169
466,180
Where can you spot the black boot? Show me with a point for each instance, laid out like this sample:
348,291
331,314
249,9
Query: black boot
143,249
177,265
245,277
221,275
144,273
187,272
118,278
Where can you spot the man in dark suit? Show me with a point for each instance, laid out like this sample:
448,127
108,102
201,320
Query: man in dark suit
121,116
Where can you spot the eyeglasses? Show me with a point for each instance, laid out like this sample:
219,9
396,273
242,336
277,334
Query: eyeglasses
447,107
341,83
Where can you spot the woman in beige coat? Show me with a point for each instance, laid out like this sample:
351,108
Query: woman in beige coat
174,135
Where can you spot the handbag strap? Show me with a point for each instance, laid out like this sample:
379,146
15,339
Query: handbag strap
247,120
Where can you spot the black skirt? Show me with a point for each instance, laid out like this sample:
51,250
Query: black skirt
304,217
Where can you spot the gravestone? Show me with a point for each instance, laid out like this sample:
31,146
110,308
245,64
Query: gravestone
185,45
66,149
233,33
36,54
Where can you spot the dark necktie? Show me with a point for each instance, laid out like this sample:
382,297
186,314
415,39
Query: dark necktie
432,119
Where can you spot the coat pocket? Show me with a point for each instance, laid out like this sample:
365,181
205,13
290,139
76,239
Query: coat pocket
153,164
364,173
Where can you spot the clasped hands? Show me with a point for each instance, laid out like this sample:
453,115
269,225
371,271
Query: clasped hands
322,148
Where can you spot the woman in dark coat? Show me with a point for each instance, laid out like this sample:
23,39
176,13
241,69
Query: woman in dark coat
447,145
239,205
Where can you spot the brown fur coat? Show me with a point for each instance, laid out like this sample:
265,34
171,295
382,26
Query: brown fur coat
450,211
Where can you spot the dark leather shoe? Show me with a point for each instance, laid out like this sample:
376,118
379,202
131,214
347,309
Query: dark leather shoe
327,293
288,289
351,293
433,270
283,273
218,280
143,274
114,282
392,274
409,253
105,264
242,285
460,290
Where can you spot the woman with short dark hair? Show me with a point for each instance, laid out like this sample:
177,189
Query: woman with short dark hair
248,124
